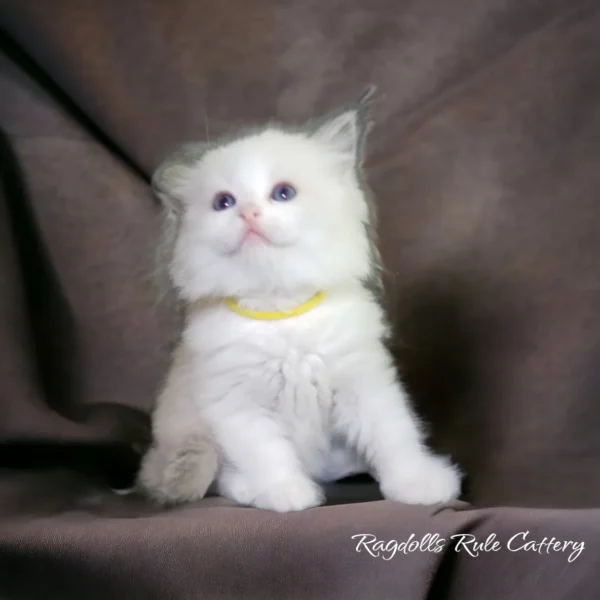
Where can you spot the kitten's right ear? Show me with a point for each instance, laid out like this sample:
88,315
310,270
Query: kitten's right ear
168,178
165,181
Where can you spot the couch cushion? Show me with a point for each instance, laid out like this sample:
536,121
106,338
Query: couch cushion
484,163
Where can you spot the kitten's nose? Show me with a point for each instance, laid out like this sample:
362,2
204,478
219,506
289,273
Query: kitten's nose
250,213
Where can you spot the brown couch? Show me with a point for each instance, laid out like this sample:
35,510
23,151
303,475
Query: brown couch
486,164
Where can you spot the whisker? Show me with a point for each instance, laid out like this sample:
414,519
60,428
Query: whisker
206,132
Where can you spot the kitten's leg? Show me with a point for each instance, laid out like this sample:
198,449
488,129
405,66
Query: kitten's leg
182,461
374,414
261,466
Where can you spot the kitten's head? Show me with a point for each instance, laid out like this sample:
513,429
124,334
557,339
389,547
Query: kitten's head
273,211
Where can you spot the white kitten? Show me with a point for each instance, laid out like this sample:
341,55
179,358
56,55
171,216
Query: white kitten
268,405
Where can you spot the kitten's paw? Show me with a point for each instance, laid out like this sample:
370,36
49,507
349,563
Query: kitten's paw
430,480
284,494
172,476
295,492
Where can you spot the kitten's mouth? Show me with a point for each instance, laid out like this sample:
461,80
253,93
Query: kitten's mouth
252,235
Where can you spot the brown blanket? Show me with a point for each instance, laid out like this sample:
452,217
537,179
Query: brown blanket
485,160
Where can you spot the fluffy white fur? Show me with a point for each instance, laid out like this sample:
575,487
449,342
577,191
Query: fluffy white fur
268,409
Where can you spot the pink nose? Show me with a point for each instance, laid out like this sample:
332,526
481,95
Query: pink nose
250,213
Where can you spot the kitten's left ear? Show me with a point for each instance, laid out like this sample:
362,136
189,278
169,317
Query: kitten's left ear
344,132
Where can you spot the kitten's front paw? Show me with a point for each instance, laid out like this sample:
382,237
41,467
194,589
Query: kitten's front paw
430,480
290,493
283,494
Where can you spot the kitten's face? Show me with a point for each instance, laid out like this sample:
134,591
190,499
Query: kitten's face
272,213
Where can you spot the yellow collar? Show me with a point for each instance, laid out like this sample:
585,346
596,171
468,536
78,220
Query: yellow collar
274,315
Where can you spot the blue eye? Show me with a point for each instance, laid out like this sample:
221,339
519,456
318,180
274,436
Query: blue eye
283,192
223,201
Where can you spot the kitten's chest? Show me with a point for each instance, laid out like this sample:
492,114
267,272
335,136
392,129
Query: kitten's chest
292,365
305,385
292,376
303,407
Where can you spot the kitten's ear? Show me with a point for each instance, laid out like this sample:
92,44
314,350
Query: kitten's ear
340,133
169,177
344,132
164,185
